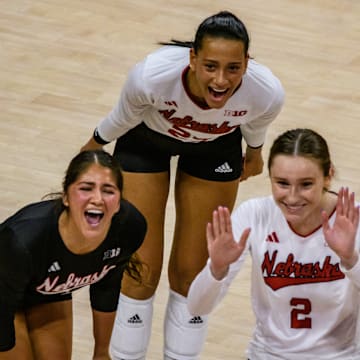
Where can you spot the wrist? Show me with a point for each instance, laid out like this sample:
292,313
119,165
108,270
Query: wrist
350,263
220,273
98,139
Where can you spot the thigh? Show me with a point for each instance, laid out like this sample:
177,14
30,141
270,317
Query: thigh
195,200
145,158
22,349
50,330
149,193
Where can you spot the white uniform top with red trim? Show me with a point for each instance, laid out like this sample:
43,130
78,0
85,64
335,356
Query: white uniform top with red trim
154,93
306,306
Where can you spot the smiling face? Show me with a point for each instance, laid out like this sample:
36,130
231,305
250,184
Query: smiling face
298,185
216,70
91,201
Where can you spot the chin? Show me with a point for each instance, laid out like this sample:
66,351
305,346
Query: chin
91,229
295,218
216,105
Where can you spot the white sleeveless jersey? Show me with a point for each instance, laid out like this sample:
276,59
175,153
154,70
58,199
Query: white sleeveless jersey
306,306
154,93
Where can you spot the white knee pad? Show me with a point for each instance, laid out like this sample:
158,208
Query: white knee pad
185,334
132,329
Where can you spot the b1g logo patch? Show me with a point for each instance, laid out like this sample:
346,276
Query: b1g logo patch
109,254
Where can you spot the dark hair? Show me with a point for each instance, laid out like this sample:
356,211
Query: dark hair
302,142
78,165
81,162
224,24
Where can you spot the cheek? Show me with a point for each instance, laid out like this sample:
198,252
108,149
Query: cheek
317,196
236,80
276,191
202,75
113,204
75,199
279,194
80,197
313,197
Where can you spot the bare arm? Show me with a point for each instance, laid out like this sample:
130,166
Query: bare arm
96,142
91,145
253,163
102,328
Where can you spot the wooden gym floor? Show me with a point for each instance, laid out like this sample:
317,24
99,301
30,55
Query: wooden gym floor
62,65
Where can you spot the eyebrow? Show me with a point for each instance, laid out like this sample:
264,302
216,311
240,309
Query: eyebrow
230,63
287,179
93,183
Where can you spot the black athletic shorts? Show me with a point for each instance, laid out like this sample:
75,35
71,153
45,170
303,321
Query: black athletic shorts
146,151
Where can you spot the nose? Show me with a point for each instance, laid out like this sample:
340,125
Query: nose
96,197
220,78
293,193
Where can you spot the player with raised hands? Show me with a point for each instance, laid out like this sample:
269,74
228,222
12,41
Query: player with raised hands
304,244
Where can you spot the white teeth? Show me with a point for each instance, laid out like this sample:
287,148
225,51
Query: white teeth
219,90
294,207
94,211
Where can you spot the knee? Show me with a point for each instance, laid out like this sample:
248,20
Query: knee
185,334
132,328
149,282
180,279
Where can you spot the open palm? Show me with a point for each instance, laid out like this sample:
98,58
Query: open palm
341,236
222,247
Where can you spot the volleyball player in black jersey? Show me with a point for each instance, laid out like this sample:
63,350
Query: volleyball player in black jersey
87,235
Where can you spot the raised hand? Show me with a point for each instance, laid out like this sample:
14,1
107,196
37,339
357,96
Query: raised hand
341,237
222,247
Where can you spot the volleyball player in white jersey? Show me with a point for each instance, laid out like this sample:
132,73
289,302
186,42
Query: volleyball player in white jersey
304,242
195,100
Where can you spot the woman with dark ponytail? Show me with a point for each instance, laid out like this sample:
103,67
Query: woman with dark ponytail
197,100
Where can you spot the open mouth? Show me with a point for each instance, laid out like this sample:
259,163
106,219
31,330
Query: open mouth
293,208
217,93
93,217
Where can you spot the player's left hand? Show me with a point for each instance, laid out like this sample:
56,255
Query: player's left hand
341,236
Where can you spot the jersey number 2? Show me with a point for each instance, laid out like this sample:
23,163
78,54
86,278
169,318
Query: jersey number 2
301,307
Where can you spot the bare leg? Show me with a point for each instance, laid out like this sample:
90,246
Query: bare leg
132,329
50,330
195,201
149,193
